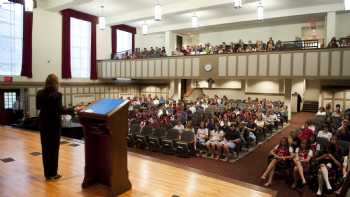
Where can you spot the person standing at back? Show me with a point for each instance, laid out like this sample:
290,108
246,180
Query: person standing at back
49,102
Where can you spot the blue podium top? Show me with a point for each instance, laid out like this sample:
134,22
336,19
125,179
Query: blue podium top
104,106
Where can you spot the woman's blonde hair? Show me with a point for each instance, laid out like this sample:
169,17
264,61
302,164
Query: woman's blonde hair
51,82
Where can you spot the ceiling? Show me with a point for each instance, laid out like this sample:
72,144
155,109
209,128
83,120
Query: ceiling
177,13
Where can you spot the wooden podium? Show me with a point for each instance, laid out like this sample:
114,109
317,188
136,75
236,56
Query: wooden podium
105,126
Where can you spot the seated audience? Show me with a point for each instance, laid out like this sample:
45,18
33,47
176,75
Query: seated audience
329,163
281,154
231,138
303,155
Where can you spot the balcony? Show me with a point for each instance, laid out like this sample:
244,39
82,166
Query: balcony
307,63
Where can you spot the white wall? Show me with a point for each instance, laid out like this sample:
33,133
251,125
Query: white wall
264,86
313,90
103,43
146,41
280,32
342,24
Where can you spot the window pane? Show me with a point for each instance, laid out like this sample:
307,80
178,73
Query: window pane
11,38
124,41
9,99
80,48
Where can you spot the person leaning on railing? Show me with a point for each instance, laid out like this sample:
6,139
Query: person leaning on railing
334,43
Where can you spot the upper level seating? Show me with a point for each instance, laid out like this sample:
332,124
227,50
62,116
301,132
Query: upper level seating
228,48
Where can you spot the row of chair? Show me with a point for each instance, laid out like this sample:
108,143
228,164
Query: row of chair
165,140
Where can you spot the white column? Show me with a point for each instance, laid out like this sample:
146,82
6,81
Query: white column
170,43
330,26
175,89
288,96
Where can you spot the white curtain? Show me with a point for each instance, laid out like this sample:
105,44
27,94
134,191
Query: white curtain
80,41
11,38
124,41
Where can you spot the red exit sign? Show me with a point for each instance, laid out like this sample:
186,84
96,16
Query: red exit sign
8,79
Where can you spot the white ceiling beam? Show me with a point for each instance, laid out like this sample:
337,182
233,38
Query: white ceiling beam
188,6
251,17
57,5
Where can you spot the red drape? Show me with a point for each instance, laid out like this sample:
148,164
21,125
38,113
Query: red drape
66,62
126,28
27,41
66,72
27,45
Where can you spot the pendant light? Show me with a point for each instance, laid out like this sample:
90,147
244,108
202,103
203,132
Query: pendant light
102,20
194,20
28,5
144,28
157,11
237,3
260,10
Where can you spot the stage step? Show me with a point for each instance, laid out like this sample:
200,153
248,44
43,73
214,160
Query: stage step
310,106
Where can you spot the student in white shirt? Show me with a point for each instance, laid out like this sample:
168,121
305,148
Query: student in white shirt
213,144
303,154
202,135
325,133
321,112
179,126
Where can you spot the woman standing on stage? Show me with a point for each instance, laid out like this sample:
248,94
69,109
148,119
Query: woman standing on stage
49,102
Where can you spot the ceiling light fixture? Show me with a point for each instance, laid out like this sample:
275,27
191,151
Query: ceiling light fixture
237,3
347,4
194,20
260,10
28,5
102,20
144,28
157,11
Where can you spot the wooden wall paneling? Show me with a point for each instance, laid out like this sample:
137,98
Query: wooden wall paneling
274,64
172,67
145,68
335,63
128,69
188,67
222,66
346,63
122,69
242,65
298,64
311,65
195,67
253,65
232,66
151,67
263,65
286,64
117,68
138,68
165,67
179,67
324,63
133,69
158,68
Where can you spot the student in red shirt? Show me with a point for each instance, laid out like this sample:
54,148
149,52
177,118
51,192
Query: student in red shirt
306,133
281,153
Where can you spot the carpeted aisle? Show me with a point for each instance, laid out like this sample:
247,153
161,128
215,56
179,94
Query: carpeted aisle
249,168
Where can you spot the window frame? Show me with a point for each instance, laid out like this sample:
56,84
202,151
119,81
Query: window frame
11,71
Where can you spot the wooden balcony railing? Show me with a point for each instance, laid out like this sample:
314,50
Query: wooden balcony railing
306,63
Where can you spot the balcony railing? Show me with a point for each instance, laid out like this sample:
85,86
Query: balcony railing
309,62
279,46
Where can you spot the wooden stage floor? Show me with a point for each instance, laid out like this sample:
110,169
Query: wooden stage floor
149,177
